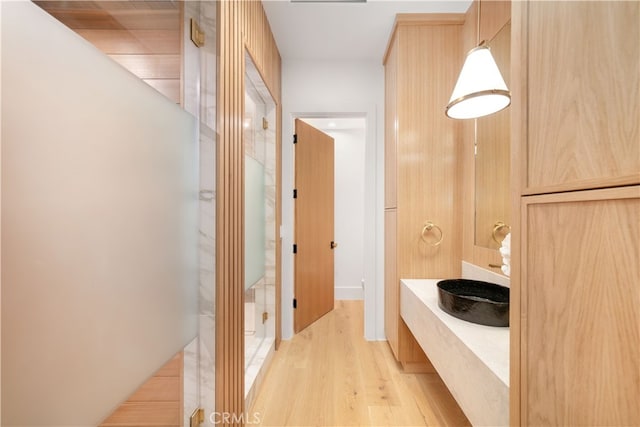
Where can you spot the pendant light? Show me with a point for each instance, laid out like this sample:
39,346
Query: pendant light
480,89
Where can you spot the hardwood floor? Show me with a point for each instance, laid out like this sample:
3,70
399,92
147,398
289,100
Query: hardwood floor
328,375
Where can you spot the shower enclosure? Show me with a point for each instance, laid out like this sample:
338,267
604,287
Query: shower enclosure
259,139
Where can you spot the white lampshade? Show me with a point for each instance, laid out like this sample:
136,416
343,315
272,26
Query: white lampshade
480,89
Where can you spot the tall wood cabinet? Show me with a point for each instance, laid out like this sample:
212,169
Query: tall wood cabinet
422,170
575,307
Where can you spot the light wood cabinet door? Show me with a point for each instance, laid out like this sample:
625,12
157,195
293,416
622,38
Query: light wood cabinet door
421,167
391,282
580,348
427,149
582,104
390,126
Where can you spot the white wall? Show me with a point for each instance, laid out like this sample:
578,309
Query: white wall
349,212
326,88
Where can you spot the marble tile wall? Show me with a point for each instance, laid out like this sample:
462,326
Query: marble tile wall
249,123
209,62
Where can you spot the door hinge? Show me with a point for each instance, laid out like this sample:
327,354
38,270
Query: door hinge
295,249
295,303
196,418
295,193
197,35
295,138
265,317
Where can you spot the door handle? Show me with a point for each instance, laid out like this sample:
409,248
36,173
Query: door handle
333,244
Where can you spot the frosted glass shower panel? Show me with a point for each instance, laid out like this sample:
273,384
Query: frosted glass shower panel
99,226
254,222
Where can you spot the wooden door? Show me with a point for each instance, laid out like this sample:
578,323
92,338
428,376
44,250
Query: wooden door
313,281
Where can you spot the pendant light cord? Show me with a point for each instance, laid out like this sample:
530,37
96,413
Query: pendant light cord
478,27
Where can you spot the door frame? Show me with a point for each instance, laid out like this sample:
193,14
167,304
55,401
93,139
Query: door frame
374,196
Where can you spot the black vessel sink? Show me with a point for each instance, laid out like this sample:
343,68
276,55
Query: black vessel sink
475,301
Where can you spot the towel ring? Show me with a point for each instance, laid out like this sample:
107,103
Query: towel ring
428,227
498,226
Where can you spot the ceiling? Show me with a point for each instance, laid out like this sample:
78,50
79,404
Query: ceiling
341,30
328,124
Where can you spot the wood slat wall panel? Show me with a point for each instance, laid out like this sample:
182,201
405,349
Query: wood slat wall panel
240,24
228,233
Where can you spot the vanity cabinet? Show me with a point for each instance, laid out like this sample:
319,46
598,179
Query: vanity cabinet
422,169
575,285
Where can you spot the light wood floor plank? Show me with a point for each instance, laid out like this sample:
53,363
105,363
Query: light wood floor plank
328,375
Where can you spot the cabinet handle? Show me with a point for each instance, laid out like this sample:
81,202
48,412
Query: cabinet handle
497,227
428,227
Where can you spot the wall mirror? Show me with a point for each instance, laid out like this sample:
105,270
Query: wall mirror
492,159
